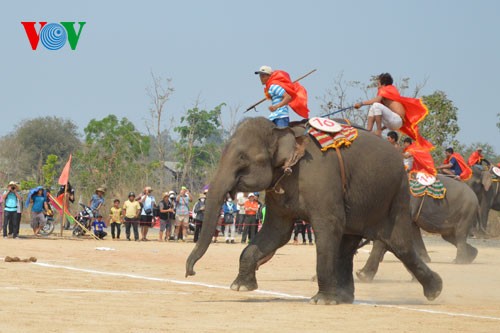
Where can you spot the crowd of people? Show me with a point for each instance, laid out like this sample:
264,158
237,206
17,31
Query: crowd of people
176,215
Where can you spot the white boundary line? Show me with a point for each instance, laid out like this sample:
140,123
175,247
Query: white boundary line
264,292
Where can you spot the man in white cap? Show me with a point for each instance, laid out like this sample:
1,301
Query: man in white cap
280,114
477,157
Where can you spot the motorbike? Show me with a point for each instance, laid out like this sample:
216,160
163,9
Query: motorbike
50,222
84,217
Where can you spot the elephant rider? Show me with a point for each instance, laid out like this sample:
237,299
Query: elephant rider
477,158
284,94
394,111
393,137
455,165
420,156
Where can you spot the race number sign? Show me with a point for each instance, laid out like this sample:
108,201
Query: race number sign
496,171
325,125
425,179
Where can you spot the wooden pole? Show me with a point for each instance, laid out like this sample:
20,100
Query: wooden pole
64,206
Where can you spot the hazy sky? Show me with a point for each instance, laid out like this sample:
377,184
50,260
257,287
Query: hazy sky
211,49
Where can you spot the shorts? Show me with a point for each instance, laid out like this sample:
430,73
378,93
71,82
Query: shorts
166,224
146,220
390,119
37,220
181,220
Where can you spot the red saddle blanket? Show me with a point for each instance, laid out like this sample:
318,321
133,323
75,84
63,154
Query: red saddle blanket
334,140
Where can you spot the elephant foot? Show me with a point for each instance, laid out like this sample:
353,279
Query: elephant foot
244,284
363,276
433,288
466,259
323,298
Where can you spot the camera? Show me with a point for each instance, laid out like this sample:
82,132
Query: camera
12,188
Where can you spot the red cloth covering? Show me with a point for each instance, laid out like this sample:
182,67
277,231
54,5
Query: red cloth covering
474,158
415,109
466,171
422,159
296,91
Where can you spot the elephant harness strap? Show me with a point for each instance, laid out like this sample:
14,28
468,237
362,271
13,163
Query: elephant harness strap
298,153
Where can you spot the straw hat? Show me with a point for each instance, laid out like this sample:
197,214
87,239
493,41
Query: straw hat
148,188
101,189
13,183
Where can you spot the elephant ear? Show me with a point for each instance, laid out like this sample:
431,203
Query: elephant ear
288,149
486,180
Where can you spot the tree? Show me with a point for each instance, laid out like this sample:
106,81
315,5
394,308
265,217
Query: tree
49,170
159,93
113,155
27,147
198,149
440,126
498,124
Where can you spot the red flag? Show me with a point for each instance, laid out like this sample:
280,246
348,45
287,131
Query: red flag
415,109
422,159
63,179
296,91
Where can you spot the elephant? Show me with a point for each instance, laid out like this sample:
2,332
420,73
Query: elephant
488,194
453,217
362,194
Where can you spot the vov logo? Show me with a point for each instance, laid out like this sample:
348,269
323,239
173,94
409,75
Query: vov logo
53,35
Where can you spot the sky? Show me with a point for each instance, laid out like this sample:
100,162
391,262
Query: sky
210,50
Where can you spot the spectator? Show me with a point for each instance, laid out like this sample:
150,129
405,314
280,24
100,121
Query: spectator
20,207
182,213
38,203
148,204
229,209
1,212
97,200
64,198
299,229
250,221
99,227
167,215
199,211
115,219
240,199
259,216
131,211
11,199
308,228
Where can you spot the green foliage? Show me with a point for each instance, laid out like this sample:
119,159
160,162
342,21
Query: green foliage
440,126
28,146
112,155
198,149
28,184
49,170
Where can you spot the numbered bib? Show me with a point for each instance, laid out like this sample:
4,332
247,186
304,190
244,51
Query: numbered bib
325,125
425,179
496,171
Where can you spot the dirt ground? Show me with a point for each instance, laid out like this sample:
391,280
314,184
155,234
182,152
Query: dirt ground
140,287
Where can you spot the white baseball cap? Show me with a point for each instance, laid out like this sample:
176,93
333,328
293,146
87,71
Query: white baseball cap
264,70
251,195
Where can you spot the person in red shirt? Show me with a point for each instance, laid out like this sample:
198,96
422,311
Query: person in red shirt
477,158
250,220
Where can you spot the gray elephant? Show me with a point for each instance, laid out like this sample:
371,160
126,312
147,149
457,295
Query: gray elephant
451,217
488,194
372,202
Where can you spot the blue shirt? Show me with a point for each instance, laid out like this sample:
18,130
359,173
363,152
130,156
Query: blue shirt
277,92
455,167
229,207
95,201
182,207
148,204
98,225
38,201
11,202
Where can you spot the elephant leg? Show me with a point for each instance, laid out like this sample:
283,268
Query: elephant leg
418,243
345,282
328,238
367,273
465,252
275,233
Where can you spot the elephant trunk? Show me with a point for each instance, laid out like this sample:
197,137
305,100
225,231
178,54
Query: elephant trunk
219,187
